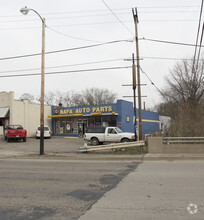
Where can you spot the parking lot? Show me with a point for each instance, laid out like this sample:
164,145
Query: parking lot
55,145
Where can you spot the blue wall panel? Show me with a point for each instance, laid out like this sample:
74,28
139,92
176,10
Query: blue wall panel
125,115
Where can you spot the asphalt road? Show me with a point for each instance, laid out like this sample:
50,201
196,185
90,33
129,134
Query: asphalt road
55,189
36,187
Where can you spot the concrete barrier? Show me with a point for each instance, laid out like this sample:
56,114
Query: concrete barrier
156,145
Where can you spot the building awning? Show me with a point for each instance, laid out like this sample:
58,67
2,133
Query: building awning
3,112
80,115
62,116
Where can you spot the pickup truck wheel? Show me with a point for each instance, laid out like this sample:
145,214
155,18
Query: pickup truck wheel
24,139
94,141
125,140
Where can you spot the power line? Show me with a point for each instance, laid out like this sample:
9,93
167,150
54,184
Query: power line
77,38
100,23
201,10
117,17
65,50
115,9
122,9
99,15
63,72
165,58
167,20
96,45
146,43
201,39
95,62
53,67
181,6
168,42
152,82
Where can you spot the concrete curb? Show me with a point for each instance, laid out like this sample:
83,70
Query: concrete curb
98,156
187,156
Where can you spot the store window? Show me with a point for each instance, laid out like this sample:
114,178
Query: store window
63,126
98,120
109,120
91,121
78,125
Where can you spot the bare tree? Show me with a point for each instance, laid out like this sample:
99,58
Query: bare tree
49,98
184,101
93,96
185,85
27,96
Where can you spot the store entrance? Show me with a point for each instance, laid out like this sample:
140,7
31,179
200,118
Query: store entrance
82,128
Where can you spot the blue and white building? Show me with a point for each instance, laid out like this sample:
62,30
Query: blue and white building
72,121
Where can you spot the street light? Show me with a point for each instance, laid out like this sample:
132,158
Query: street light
25,11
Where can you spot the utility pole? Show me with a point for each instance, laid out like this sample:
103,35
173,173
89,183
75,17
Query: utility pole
42,90
25,11
134,94
138,72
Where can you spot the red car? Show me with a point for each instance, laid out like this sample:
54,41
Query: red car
15,132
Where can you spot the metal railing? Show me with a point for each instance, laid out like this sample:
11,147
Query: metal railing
87,148
183,140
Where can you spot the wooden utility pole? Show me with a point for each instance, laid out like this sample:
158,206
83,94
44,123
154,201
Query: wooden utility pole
138,73
42,90
134,94
25,11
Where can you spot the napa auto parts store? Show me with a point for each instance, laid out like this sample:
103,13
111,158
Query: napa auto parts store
73,121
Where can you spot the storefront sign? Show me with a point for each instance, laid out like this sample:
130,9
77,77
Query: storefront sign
84,110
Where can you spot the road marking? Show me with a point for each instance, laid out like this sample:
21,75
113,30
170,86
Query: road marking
192,208
72,137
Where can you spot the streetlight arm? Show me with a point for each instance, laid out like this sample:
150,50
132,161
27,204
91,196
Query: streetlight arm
38,15
25,11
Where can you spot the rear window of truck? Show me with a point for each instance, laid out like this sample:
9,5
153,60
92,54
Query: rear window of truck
95,130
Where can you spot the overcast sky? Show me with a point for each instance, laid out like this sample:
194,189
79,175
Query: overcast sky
73,24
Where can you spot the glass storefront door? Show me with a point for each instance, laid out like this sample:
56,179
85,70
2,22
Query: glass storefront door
82,128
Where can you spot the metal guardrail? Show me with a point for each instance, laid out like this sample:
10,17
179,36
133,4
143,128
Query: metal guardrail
183,140
86,148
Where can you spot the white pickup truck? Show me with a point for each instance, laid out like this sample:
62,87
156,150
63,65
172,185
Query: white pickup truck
98,134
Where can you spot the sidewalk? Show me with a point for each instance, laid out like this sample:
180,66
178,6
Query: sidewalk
175,156
155,190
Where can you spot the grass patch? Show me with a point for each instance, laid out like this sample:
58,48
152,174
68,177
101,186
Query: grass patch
130,150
